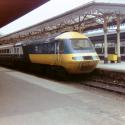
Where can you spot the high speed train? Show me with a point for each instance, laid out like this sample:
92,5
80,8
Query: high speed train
69,51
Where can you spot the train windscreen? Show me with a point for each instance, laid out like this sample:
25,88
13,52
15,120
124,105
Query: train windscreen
81,45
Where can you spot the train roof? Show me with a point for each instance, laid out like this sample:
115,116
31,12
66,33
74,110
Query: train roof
51,38
39,40
71,35
6,46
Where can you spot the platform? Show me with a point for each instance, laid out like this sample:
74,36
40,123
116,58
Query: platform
118,67
30,100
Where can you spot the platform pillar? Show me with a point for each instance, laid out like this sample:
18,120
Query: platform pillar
118,39
105,39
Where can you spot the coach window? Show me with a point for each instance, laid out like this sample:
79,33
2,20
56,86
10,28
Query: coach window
52,48
7,50
40,48
4,51
17,50
45,48
48,48
36,49
11,50
14,50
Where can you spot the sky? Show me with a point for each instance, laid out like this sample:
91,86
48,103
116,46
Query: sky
46,11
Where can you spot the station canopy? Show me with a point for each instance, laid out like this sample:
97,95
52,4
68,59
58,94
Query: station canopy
13,9
86,17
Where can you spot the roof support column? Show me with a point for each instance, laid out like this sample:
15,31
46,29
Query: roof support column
118,39
105,39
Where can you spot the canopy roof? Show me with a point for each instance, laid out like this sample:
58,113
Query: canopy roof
87,16
13,9
112,36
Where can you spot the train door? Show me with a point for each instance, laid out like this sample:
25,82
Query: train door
59,52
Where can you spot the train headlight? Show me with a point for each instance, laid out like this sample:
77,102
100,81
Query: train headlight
78,58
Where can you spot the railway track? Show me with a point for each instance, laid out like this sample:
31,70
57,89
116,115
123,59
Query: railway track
107,82
103,80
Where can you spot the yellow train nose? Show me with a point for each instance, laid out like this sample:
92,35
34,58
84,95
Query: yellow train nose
87,66
83,66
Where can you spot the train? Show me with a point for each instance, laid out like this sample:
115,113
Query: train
72,52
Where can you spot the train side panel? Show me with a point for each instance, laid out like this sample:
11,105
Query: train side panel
66,61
